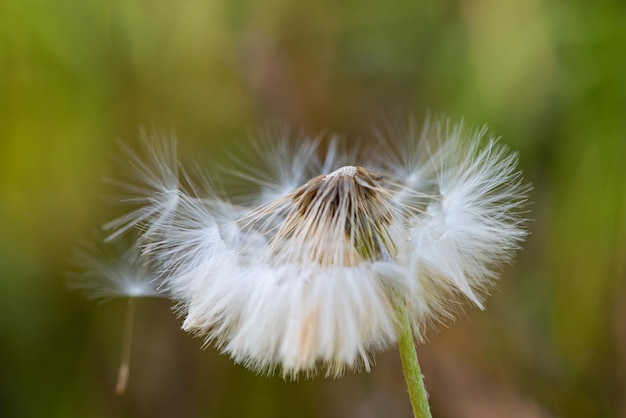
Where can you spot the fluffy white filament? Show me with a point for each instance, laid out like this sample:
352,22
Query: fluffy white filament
113,271
301,276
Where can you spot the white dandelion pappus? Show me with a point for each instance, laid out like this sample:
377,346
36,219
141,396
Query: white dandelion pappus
155,185
307,281
111,271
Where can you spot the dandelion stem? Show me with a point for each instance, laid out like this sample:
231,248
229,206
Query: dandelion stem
410,364
122,375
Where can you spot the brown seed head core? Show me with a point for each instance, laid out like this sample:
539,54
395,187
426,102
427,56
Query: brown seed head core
338,219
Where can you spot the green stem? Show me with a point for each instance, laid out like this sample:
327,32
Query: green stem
412,371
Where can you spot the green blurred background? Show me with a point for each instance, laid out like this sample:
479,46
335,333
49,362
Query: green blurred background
548,75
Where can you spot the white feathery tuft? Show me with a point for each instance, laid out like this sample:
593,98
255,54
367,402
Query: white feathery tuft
155,187
111,271
473,223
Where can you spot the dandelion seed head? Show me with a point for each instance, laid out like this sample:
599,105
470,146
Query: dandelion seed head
302,276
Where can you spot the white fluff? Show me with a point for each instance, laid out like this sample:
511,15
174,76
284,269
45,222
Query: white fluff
113,271
304,283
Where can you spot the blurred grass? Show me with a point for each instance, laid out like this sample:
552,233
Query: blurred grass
547,75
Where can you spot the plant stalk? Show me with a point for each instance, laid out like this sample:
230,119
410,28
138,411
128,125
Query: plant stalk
410,364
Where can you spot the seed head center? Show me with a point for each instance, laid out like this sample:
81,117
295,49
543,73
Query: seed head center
348,170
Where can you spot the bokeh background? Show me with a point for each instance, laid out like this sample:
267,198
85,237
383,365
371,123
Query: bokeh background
548,75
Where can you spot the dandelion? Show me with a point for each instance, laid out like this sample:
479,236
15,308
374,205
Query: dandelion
337,254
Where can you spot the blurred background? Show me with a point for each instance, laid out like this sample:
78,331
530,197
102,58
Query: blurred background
547,75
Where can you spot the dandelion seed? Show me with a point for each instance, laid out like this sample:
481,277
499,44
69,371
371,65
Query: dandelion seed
113,271
310,280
